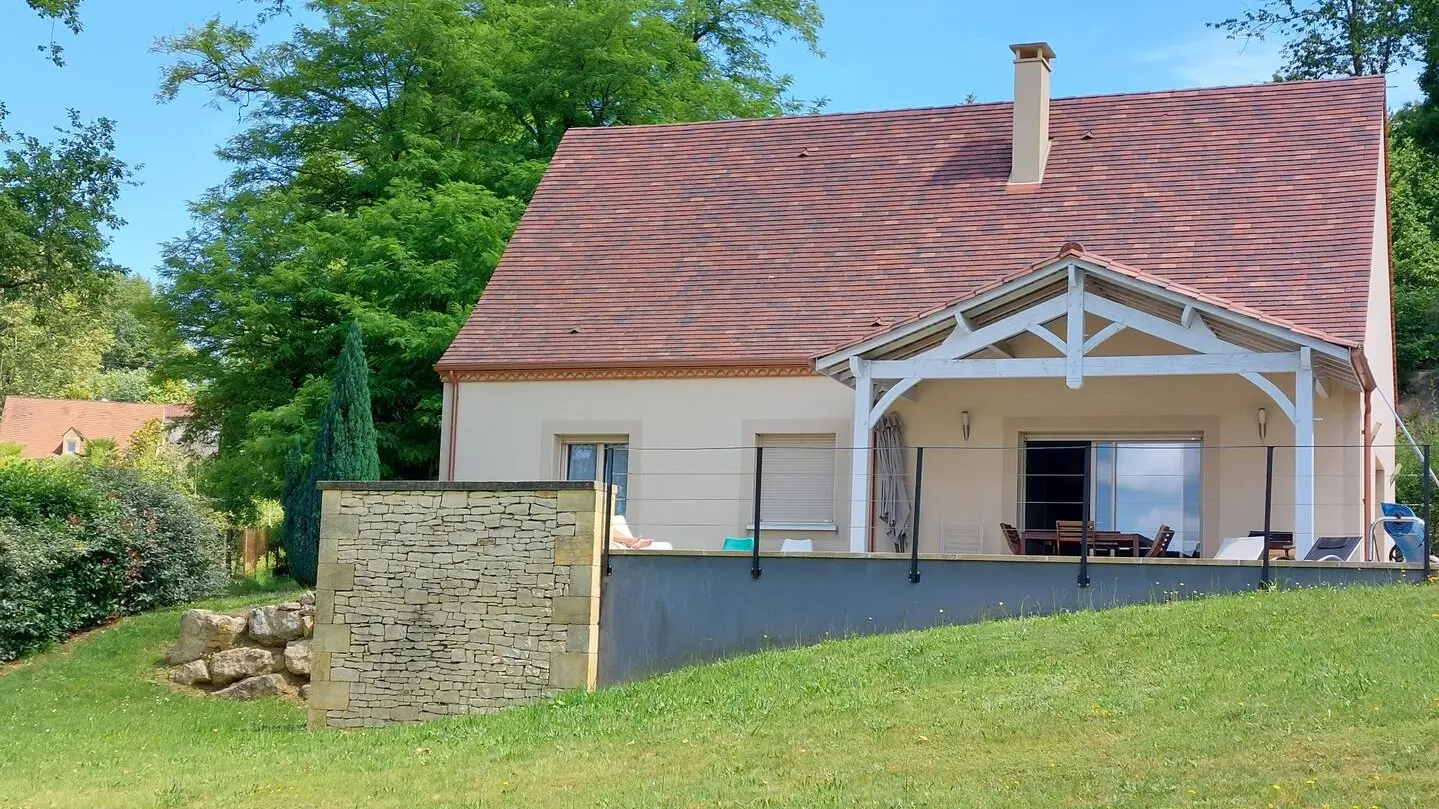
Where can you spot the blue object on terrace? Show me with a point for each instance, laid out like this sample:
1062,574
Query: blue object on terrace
738,544
1408,535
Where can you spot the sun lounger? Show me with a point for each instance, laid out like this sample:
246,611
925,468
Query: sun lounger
1240,548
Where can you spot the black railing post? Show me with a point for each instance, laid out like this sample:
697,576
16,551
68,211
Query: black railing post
1084,528
914,518
1427,529
608,461
755,571
1265,580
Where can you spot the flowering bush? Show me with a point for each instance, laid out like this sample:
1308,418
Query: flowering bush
80,546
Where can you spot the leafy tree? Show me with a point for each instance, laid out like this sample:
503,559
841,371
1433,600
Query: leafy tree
1372,37
56,202
67,12
1327,38
392,149
344,450
52,350
137,348
1414,239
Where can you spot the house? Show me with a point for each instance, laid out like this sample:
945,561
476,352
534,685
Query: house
52,427
1110,304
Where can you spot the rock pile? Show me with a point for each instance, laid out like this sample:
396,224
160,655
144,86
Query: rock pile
266,651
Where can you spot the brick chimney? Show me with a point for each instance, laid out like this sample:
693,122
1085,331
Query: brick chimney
1029,148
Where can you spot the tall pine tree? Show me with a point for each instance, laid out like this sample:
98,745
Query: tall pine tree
344,450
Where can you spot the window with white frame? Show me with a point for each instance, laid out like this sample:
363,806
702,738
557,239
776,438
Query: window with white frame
588,459
797,481
72,446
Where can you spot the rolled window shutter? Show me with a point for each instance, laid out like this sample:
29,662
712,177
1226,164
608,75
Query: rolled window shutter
798,479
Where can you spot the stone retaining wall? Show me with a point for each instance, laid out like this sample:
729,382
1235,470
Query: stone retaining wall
436,599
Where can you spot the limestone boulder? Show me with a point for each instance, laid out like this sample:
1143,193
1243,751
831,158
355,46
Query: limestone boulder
196,671
203,632
289,606
272,626
307,626
236,664
305,691
297,656
263,685
306,599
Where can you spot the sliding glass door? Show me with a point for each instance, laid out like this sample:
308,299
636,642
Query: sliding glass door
1135,485
1141,485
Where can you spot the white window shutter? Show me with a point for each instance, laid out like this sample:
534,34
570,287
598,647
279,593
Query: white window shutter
798,479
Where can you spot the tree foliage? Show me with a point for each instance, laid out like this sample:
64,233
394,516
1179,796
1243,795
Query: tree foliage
67,13
1329,38
391,151
1414,240
1324,38
107,348
56,202
56,205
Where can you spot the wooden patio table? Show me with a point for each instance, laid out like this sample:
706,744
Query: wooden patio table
1098,540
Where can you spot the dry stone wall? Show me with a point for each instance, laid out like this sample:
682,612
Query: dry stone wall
437,599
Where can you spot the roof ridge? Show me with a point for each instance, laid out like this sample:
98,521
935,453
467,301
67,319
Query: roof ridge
1264,86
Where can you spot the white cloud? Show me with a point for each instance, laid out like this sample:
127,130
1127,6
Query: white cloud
1213,60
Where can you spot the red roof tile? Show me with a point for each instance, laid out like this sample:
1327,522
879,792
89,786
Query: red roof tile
775,241
39,425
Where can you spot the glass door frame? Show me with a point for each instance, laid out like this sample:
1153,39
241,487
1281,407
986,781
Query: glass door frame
1093,440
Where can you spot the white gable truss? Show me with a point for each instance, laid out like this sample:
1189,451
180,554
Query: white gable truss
966,341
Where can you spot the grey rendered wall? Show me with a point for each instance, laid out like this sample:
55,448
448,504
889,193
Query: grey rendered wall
662,611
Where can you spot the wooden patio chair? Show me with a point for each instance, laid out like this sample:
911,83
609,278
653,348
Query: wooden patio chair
1073,531
1011,535
1160,545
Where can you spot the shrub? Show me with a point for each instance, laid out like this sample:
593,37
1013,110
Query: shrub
177,553
31,491
80,546
55,578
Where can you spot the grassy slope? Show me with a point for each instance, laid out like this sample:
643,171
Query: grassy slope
1236,701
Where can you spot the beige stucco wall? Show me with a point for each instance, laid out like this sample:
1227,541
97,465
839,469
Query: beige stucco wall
1379,345
437,600
690,479
691,483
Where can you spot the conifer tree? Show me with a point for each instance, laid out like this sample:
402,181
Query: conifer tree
344,450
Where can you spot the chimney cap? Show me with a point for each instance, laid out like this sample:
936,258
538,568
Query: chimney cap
1032,50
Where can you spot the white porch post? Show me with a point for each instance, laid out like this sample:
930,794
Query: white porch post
1304,455
859,465
1074,330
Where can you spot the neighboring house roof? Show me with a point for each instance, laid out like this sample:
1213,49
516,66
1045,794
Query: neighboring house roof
770,242
40,425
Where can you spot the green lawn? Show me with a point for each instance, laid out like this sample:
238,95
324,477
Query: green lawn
1239,701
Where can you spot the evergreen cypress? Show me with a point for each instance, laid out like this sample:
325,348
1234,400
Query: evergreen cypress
293,499
344,450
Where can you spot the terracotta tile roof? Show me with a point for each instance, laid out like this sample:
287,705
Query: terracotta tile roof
1076,251
774,241
39,425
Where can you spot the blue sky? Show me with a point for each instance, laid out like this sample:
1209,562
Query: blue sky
880,54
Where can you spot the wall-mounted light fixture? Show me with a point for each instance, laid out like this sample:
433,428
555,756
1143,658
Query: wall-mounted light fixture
964,423
1263,423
